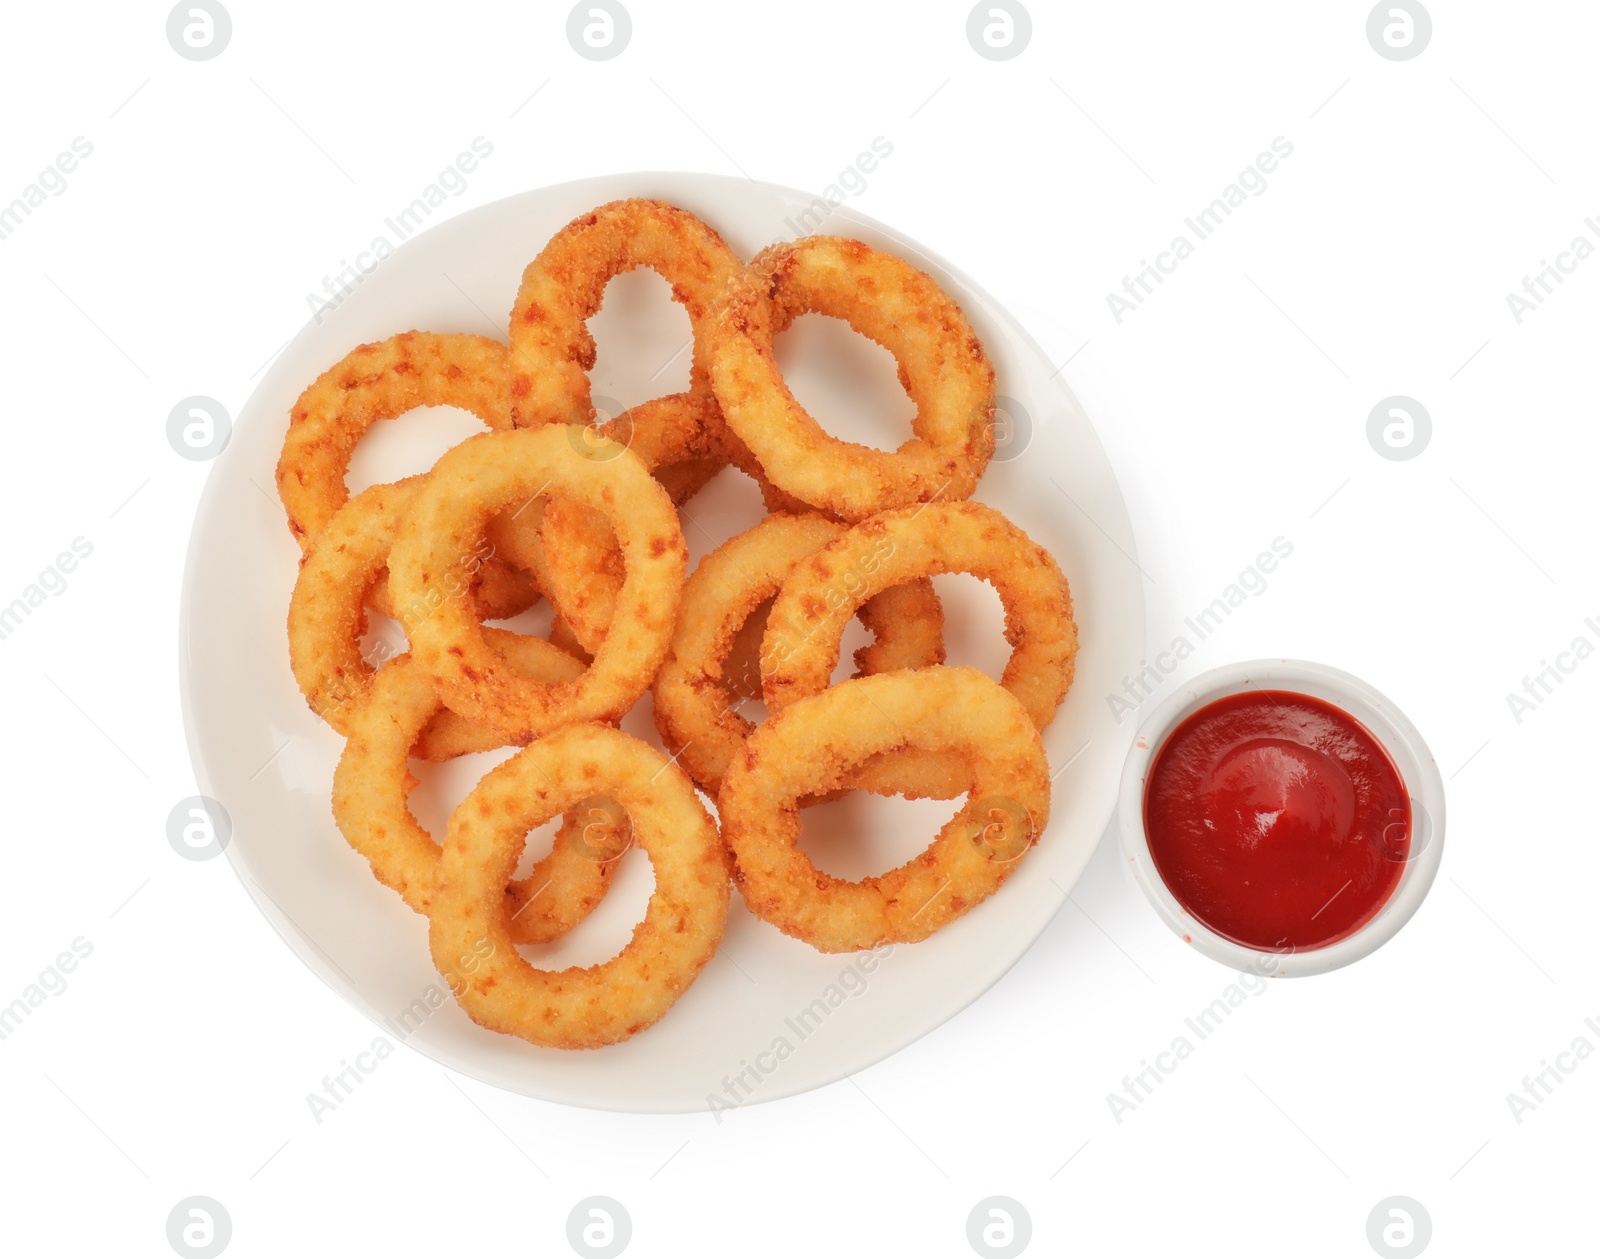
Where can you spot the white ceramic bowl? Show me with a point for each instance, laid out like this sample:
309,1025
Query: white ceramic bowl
1387,724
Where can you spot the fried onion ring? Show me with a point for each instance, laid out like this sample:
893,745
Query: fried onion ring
448,734
552,351
328,617
943,367
379,381
819,596
695,710
569,548
327,611
814,745
492,473
372,782
382,381
581,567
581,1007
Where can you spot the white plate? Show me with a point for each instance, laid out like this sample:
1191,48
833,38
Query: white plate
260,752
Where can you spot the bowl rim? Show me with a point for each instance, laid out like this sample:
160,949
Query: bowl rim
1386,722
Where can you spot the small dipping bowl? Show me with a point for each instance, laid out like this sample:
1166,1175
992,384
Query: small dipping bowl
1386,723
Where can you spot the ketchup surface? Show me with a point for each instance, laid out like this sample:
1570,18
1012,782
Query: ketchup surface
1276,819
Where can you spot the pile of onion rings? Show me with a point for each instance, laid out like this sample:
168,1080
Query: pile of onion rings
587,513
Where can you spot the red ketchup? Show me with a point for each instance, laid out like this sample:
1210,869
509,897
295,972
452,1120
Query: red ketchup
1277,820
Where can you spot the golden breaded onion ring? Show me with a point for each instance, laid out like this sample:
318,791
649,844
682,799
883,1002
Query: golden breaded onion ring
581,1007
327,611
382,381
943,367
581,567
328,608
694,709
552,351
448,734
815,746
496,472
379,381
570,549
820,596
372,782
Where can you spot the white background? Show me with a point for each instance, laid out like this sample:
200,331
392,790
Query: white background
1233,404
